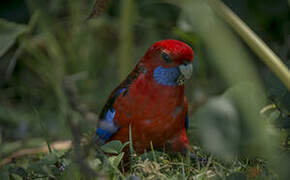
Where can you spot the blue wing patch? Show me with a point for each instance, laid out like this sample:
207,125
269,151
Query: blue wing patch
107,128
186,122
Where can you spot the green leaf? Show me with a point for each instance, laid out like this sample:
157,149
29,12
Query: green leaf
95,163
115,160
114,147
9,32
124,145
44,166
18,172
16,177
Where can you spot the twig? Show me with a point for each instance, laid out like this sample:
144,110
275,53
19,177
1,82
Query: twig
256,44
59,145
98,9
78,151
126,37
267,108
72,94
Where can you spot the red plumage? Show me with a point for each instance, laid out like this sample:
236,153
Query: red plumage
151,101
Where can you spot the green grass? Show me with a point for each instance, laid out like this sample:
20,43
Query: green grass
151,165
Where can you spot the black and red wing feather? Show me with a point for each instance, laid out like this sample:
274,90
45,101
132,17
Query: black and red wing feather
107,127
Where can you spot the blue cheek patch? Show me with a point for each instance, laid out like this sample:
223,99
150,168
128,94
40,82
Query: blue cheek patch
107,127
166,76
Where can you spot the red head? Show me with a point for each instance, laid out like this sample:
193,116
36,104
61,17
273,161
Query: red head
168,53
169,61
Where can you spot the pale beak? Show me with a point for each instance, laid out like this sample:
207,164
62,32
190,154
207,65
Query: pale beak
185,73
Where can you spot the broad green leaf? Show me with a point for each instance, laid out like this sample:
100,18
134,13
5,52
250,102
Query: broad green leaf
124,145
16,177
18,172
115,160
95,163
113,147
9,32
43,166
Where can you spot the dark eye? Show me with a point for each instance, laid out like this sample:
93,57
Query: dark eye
166,57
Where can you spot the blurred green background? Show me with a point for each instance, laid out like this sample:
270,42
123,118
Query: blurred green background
43,43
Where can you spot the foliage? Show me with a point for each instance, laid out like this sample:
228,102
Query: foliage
239,110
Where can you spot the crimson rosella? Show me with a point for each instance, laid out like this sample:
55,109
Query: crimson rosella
152,100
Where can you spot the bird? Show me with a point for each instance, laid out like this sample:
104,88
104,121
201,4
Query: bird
151,102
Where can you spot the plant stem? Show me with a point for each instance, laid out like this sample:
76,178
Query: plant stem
126,37
253,41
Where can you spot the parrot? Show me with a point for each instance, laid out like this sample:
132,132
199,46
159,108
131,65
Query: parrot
151,102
